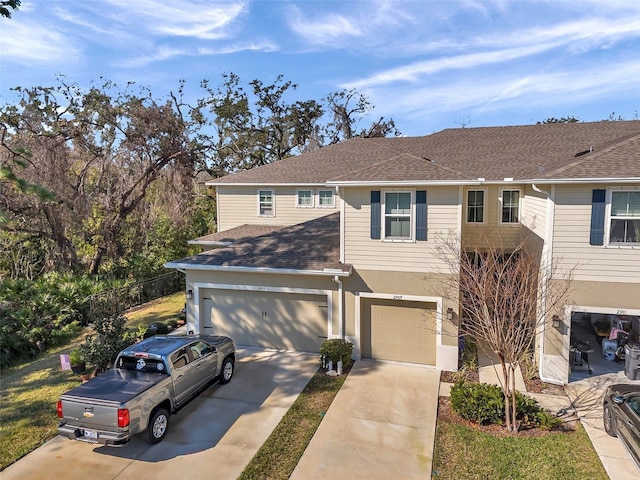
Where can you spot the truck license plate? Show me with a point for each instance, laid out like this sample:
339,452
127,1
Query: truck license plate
91,434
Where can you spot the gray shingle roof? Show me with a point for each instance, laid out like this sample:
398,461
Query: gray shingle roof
464,154
312,245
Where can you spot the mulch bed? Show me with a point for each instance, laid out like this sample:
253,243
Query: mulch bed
447,415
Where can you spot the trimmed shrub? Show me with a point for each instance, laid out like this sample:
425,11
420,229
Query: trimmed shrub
484,404
337,349
478,402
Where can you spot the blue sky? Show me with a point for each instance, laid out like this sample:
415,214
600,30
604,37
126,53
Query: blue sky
429,65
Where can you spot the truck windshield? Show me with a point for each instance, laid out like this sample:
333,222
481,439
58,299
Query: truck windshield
140,364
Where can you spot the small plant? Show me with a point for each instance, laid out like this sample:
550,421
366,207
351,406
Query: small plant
77,361
336,349
76,357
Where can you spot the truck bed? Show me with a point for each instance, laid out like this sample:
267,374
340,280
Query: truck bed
116,385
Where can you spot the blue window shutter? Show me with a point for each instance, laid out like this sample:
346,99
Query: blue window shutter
375,214
597,217
421,215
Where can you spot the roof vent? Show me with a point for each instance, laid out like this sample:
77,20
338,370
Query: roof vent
584,152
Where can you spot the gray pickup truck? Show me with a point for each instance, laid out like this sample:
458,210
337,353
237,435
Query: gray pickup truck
150,380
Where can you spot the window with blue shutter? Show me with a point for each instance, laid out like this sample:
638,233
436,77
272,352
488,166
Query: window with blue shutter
375,214
421,215
597,217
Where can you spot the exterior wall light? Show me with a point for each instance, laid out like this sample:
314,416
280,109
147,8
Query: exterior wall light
449,313
555,321
189,294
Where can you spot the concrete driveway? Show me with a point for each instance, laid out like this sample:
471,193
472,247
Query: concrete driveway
215,435
381,425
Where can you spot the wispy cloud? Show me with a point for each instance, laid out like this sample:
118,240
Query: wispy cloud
576,37
200,19
491,92
32,42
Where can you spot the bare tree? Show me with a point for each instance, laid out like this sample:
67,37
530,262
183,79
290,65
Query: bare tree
505,298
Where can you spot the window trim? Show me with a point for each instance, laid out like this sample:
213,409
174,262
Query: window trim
411,215
501,206
333,198
608,218
273,203
311,196
484,207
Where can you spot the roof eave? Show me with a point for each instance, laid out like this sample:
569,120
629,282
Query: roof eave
327,272
266,184
403,183
548,181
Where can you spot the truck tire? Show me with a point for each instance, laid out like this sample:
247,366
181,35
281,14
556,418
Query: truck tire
227,370
158,425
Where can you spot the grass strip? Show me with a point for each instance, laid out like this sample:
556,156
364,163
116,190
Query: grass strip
279,455
464,453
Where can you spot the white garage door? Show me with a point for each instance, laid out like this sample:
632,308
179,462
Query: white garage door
267,319
401,331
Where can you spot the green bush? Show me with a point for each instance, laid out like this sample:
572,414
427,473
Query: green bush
337,349
484,404
100,349
478,402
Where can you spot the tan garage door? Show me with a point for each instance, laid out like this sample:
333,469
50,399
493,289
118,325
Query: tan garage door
265,319
401,331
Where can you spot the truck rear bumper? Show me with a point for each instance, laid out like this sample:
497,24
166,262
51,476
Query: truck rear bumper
111,439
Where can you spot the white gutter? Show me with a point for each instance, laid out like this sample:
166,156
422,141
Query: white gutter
402,183
213,183
340,307
327,272
584,180
547,256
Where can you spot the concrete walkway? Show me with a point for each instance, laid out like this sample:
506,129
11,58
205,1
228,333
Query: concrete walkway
381,425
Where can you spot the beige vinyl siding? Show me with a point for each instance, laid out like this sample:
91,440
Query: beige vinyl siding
419,256
239,206
572,225
491,231
534,211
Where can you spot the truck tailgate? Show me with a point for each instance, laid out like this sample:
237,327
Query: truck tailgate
90,413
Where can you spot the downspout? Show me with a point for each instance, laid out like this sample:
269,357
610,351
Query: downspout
336,279
341,224
547,256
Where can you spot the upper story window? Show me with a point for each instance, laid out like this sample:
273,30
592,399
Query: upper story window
510,206
397,215
475,206
325,198
625,217
304,198
266,203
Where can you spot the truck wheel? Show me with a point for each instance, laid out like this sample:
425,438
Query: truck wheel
158,425
609,420
227,370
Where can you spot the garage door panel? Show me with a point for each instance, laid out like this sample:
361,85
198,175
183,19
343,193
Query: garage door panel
402,333
268,319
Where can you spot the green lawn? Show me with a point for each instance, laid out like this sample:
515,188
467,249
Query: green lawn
464,453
